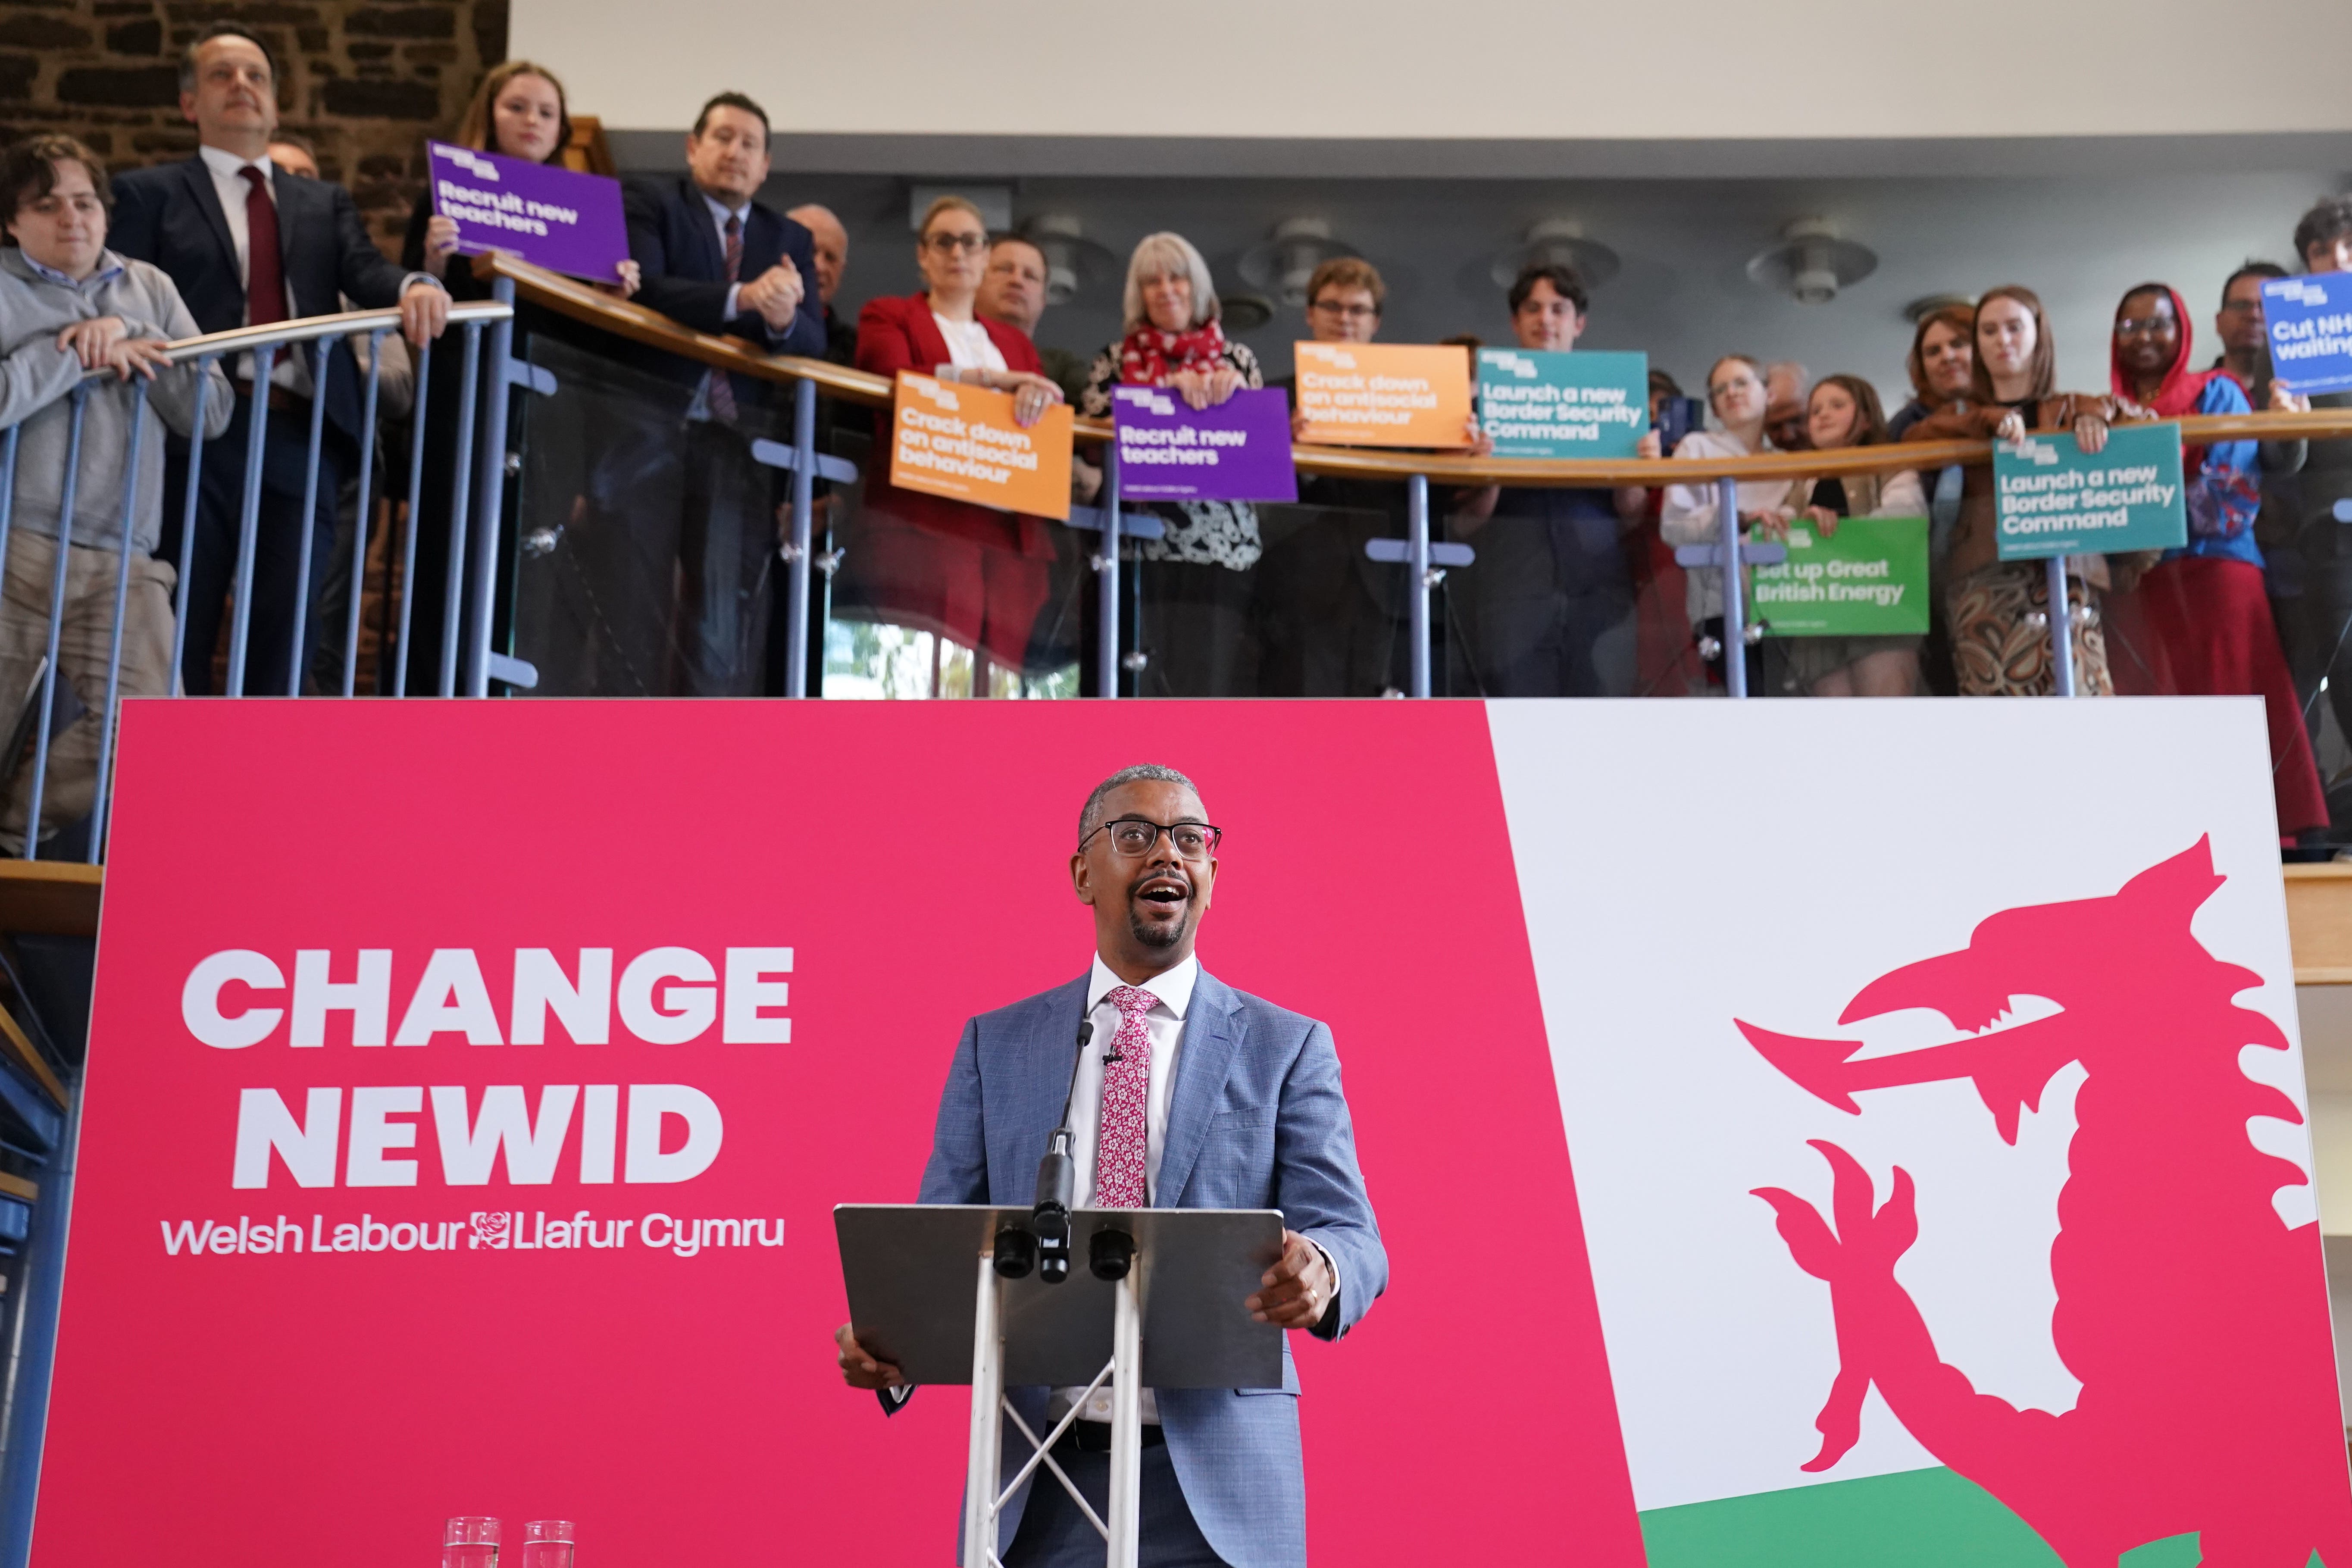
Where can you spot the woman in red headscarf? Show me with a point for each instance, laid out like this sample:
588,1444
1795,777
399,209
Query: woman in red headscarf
2208,620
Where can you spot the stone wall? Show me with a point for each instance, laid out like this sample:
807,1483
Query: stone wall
365,82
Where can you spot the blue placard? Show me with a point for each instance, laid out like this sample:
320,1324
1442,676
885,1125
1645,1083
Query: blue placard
1542,403
2054,499
2308,321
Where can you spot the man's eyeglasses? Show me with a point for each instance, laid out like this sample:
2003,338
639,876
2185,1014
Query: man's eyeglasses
1355,312
2133,326
947,242
1134,836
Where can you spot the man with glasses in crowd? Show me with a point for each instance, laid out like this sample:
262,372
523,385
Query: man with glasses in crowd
716,260
1332,621
1178,1062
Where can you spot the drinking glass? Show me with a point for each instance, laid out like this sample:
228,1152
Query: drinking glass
547,1544
470,1543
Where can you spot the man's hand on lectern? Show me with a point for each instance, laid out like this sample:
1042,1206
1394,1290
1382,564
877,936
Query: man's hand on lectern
1296,1291
860,1369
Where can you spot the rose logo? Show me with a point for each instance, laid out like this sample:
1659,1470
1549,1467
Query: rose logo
489,1229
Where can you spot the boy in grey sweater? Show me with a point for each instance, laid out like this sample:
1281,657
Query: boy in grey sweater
68,308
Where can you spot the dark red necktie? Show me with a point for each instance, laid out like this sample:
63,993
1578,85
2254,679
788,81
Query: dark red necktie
722,391
265,273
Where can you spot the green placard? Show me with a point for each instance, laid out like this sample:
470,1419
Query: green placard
1870,581
2055,500
1540,404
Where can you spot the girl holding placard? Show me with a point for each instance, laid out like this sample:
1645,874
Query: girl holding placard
1998,609
1844,411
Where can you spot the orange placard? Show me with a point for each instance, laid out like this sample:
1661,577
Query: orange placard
949,439
1384,395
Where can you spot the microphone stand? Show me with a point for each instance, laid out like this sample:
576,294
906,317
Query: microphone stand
1057,1178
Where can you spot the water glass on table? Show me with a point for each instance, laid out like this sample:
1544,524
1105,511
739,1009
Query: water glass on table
547,1544
470,1543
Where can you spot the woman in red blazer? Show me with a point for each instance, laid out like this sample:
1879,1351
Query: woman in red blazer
969,572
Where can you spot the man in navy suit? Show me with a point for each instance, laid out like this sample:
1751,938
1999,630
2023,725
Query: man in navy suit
1216,1099
716,260
197,220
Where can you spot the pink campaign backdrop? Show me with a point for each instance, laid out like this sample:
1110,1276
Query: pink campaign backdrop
286,1409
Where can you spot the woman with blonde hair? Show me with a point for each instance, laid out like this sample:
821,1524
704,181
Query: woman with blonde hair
1735,396
1195,623
976,576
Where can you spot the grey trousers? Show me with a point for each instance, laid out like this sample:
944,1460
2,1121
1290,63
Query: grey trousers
83,640
1054,1534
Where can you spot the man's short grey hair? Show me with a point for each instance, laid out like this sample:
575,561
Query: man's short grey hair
1142,773
1166,255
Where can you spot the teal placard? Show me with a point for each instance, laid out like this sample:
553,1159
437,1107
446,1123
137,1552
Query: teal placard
1538,403
1870,581
2056,499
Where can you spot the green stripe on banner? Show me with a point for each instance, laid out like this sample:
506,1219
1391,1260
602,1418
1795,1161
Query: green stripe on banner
1919,1519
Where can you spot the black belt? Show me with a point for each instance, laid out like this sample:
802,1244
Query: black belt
1094,1437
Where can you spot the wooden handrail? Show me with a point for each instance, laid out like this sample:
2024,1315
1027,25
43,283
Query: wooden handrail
636,322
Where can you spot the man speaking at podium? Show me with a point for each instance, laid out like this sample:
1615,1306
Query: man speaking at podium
1210,1098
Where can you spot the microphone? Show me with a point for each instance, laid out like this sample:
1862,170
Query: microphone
1057,1181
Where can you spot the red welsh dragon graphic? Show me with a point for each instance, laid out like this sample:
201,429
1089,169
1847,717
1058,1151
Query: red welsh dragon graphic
2194,1317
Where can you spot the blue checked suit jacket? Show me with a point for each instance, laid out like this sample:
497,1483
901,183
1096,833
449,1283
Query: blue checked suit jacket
1256,1119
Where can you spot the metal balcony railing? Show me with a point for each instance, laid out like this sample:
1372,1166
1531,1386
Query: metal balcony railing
465,662
266,345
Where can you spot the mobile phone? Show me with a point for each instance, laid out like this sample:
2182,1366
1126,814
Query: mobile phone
1677,417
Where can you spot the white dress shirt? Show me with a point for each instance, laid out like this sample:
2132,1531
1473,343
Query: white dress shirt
971,348
1164,1029
292,370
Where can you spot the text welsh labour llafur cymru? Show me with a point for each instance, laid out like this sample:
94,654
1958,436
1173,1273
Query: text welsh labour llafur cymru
501,1230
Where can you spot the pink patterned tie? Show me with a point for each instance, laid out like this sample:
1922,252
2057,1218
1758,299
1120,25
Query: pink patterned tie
1124,1136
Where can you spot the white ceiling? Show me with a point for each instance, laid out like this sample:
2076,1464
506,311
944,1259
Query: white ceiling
1510,68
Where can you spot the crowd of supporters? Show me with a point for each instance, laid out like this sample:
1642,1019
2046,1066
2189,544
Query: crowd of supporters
99,273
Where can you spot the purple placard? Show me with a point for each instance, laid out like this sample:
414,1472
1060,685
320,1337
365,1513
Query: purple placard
1239,450
551,217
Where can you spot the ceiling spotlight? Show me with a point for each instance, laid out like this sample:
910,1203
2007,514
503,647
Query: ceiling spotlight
1556,242
1283,262
1811,264
1244,312
1073,264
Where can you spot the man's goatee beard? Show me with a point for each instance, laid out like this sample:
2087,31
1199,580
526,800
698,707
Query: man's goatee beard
1155,935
